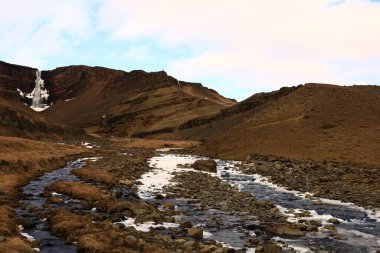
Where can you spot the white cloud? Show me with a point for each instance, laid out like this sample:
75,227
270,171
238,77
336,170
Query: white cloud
34,30
258,43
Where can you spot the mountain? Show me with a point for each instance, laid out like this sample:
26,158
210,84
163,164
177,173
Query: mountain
126,103
313,121
16,118
109,101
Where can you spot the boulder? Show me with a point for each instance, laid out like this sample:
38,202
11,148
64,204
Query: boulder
195,232
205,165
283,229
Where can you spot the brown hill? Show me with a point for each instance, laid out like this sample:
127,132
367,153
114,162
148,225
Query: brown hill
107,101
315,121
122,103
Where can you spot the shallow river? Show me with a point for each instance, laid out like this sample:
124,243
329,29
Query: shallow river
359,229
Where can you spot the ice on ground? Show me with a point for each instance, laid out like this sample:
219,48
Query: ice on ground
354,237
67,100
21,93
313,215
167,149
373,214
40,109
146,226
92,159
89,145
165,166
28,237
207,235
55,194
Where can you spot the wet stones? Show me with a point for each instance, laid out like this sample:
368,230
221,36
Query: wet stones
195,232
169,206
125,193
269,247
333,221
215,193
333,180
205,165
283,229
127,182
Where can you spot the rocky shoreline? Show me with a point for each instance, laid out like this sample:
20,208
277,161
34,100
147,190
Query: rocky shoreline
332,180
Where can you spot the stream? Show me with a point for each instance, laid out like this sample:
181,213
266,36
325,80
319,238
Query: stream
359,230
32,207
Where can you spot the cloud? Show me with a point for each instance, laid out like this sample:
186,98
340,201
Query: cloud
257,43
32,31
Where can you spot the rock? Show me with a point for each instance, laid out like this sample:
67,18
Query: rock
181,240
329,227
205,249
125,193
317,202
333,221
205,165
127,182
271,247
118,226
277,166
169,206
189,244
253,241
195,232
283,229
130,241
259,248
186,224
302,226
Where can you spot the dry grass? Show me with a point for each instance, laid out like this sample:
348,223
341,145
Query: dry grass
8,225
321,122
18,149
152,143
92,172
81,191
15,245
65,222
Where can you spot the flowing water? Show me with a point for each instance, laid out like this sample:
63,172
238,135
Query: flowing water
32,206
359,229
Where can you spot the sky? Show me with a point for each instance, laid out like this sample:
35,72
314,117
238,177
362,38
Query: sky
238,47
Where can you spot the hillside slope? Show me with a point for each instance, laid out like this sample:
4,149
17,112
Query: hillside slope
126,103
315,121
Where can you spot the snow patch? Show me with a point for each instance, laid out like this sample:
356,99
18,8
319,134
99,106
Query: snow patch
373,214
167,149
146,226
164,166
28,237
21,93
89,145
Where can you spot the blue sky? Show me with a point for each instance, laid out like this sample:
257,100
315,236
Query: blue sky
235,47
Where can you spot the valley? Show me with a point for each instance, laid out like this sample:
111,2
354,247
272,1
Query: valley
115,161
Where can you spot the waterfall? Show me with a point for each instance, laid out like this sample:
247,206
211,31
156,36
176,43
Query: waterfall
39,95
